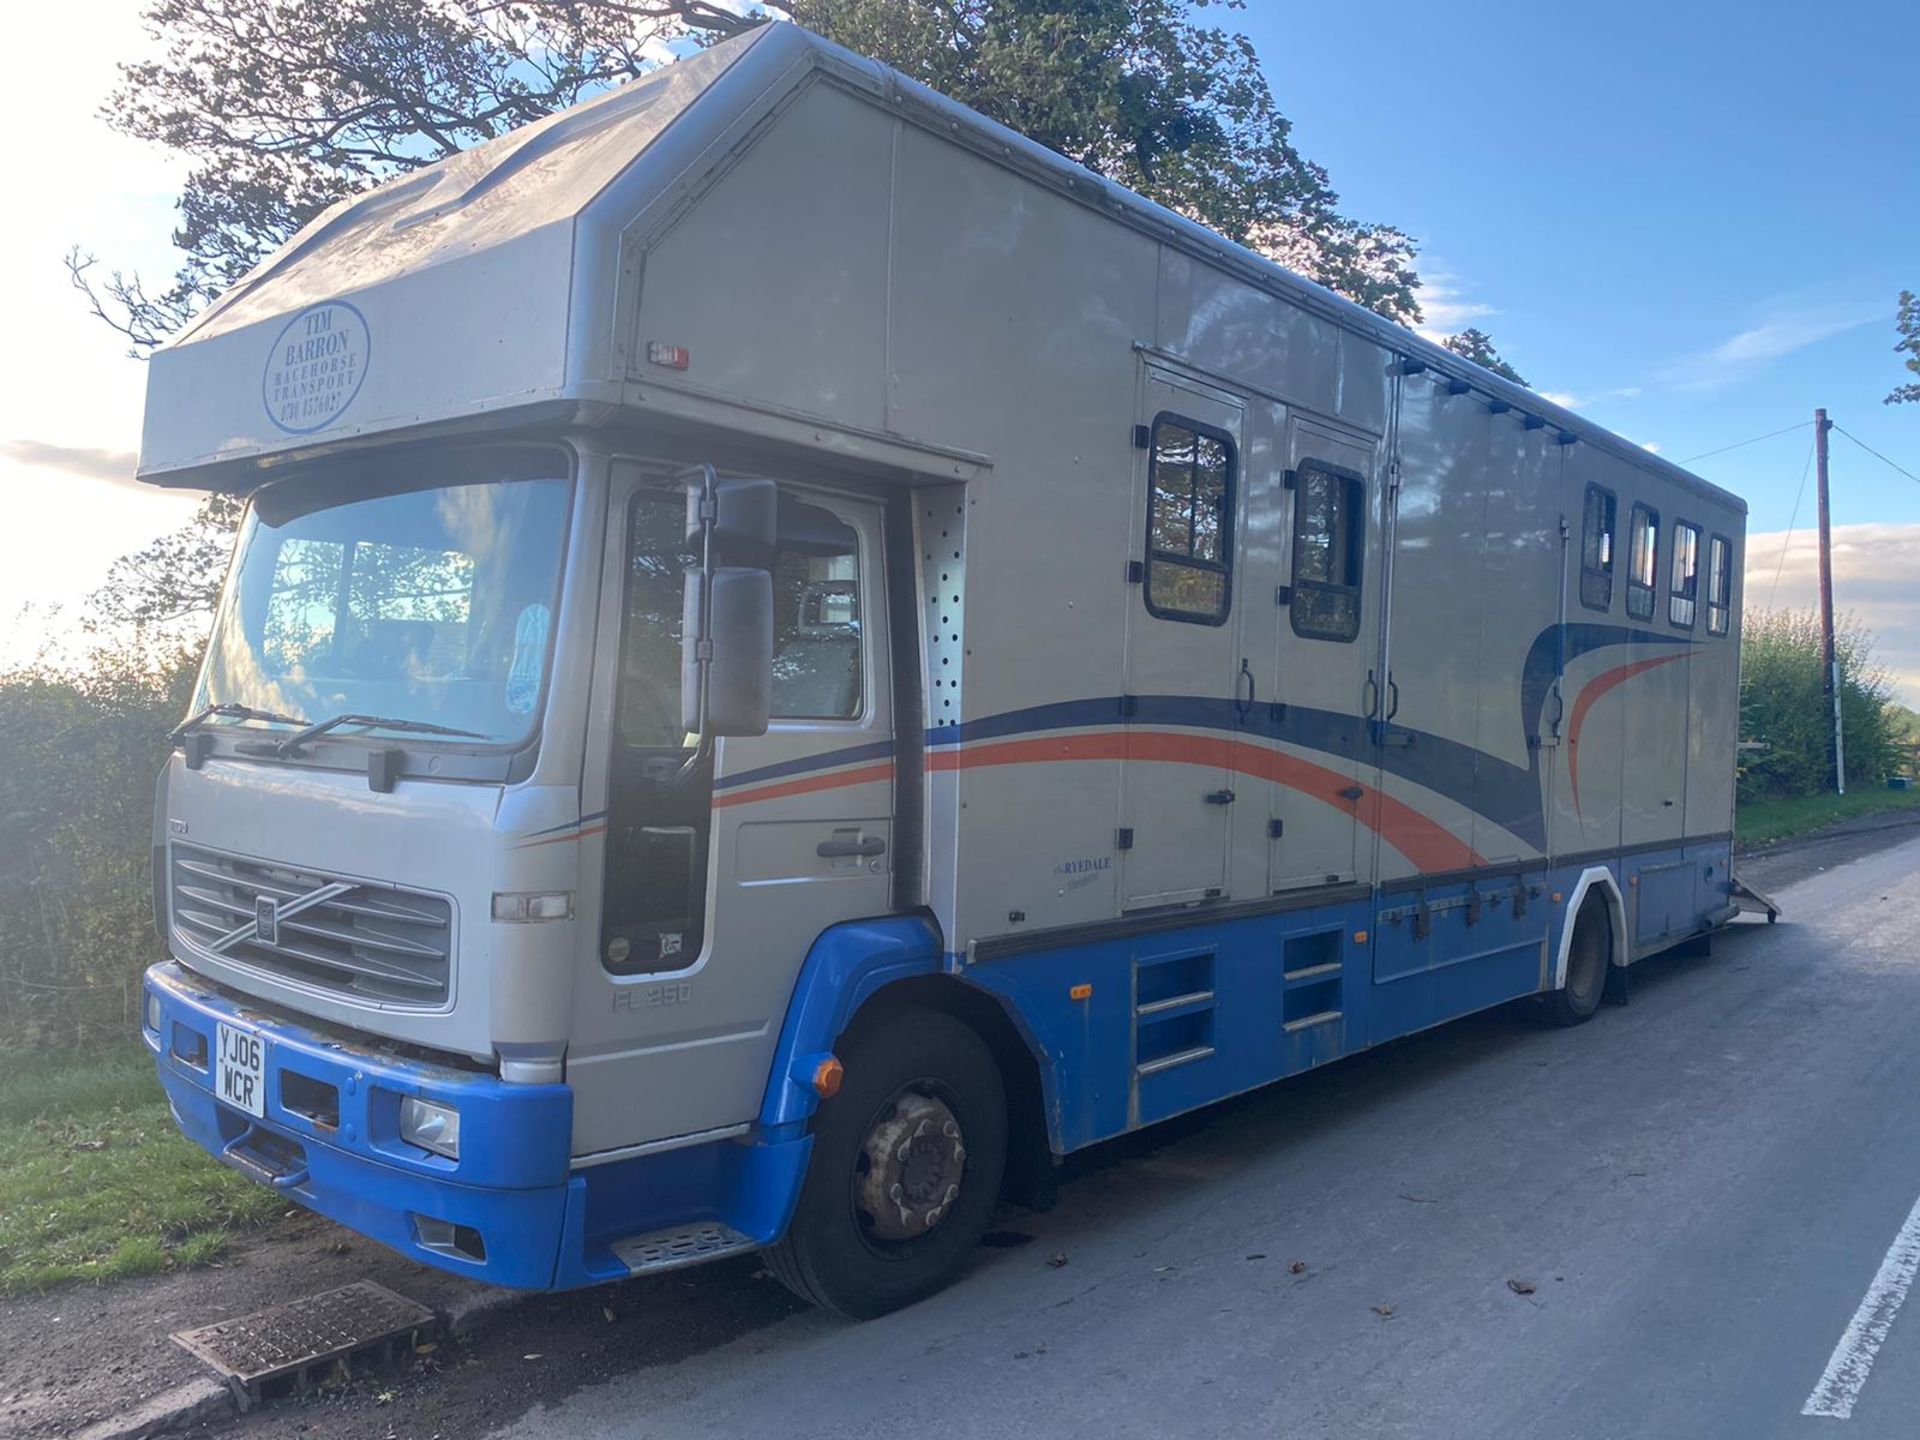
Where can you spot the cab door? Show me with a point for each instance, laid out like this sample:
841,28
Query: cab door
1178,783
720,868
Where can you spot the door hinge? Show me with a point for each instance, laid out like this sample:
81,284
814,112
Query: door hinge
1283,595
1136,571
1352,792
1143,437
1289,479
1220,797
1123,838
1128,705
1276,828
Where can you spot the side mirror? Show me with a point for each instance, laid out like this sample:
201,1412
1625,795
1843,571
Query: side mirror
734,521
732,607
726,633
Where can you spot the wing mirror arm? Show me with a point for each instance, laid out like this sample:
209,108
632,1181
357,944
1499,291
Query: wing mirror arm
726,636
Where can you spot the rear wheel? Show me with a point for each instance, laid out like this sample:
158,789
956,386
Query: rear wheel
1587,960
906,1168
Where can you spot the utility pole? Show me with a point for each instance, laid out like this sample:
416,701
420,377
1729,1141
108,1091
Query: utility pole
1830,660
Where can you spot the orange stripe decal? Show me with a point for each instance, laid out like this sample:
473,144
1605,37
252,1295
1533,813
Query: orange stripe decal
1596,688
1427,844
865,774
591,830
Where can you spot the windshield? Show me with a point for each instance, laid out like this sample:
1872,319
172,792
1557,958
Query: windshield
416,590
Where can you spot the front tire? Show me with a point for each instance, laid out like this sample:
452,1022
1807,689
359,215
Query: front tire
906,1168
1588,959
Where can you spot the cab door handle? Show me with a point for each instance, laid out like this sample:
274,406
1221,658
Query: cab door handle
863,847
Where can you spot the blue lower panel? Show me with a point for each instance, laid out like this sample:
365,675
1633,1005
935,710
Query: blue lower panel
329,1140
1183,1017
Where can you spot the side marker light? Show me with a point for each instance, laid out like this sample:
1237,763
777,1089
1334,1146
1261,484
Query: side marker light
828,1076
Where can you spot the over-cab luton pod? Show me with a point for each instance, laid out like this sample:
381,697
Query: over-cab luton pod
794,657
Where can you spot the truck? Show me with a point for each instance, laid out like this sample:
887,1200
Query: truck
794,658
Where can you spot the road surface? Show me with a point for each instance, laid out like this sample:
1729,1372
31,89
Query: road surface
1695,1216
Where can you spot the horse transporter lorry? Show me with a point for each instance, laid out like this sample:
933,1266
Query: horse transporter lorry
794,657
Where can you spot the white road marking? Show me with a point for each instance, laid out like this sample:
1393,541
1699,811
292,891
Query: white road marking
1852,1359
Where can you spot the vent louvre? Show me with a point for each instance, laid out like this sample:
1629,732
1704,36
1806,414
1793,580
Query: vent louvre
389,947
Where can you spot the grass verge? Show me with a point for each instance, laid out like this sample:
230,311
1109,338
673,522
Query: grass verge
1761,822
95,1182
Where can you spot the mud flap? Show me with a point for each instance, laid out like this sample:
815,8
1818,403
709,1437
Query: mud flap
1617,985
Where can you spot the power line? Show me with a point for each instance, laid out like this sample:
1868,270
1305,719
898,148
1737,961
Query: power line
1754,441
1877,455
1798,496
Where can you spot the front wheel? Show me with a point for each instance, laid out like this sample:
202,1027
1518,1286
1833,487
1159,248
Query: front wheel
906,1168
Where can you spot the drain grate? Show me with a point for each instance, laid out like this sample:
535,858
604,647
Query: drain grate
289,1342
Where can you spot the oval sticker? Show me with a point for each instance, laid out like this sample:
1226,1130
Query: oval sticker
315,367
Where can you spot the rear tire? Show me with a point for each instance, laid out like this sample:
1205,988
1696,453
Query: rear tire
1588,960
906,1168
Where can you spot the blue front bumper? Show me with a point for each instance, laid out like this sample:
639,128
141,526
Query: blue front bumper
510,1211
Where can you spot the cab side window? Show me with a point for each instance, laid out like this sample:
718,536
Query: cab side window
816,617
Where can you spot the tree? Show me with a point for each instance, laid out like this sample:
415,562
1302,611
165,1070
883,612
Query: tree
1477,346
285,106
1907,322
171,585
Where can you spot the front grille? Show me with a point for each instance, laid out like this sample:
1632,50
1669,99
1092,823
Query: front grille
367,941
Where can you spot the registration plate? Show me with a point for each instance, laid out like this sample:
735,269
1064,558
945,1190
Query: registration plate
241,1072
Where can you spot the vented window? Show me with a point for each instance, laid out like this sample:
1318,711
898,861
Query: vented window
1190,522
1596,548
1719,585
1329,541
1684,592
1643,561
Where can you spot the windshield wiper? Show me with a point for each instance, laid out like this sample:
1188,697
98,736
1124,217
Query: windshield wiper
297,741
230,711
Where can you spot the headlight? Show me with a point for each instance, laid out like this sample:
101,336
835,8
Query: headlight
430,1126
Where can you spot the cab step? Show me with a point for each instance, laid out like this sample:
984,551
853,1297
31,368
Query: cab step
683,1245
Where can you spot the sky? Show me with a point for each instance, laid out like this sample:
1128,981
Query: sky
1690,222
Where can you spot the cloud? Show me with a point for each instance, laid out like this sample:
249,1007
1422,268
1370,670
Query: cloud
1562,398
1443,311
113,466
1874,570
1781,331
1652,447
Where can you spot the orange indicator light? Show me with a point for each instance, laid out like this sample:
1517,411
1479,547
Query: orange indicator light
826,1079
1080,992
1359,937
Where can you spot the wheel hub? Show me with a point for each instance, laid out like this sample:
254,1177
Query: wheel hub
915,1156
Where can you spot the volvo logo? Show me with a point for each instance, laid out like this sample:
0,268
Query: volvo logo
268,912
266,920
